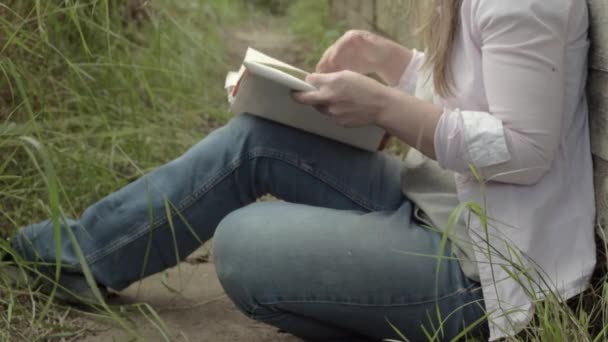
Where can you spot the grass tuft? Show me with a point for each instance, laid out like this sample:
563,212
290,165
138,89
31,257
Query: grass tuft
109,97
93,94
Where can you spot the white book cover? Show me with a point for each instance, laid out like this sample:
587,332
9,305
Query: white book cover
263,87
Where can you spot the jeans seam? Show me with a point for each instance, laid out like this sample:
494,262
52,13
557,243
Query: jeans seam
183,205
323,177
187,202
458,292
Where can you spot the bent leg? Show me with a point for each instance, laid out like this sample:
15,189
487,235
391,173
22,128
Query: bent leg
154,222
330,275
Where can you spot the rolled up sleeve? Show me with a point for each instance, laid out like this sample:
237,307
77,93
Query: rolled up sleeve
523,48
409,78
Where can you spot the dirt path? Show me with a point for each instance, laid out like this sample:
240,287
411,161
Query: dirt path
270,37
199,310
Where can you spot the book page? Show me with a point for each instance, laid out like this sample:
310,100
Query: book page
255,58
276,70
276,74
232,79
299,74
270,68
254,55
271,100
263,87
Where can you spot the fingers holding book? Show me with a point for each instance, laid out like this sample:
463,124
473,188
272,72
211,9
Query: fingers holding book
354,100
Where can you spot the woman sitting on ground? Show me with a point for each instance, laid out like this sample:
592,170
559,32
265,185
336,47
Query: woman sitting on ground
358,243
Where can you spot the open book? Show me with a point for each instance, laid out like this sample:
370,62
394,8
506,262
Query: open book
263,87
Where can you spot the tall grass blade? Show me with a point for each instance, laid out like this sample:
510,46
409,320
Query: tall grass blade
50,177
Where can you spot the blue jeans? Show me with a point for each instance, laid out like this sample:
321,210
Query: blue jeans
338,260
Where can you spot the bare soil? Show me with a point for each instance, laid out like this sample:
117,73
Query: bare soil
195,309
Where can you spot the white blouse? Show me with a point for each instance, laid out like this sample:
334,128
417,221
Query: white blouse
518,118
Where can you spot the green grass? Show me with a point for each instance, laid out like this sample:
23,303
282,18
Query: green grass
92,96
109,97
314,26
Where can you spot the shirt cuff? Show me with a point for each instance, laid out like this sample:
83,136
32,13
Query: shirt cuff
464,138
485,138
409,78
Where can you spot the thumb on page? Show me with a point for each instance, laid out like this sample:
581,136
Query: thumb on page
318,80
312,98
315,97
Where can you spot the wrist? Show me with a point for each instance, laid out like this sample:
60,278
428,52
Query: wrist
397,59
387,58
391,101
410,119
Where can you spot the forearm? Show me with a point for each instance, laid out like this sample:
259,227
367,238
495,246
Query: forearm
411,120
365,53
416,123
398,57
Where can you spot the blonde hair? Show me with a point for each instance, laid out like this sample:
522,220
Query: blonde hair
439,23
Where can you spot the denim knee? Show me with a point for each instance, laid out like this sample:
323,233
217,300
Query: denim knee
252,129
234,255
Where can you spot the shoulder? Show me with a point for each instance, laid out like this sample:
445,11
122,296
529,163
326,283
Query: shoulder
517,11
536,15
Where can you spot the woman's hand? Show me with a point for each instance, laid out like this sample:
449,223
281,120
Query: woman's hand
352,99
366,53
